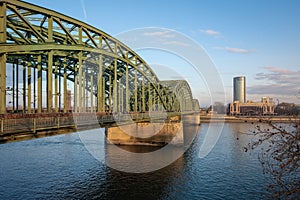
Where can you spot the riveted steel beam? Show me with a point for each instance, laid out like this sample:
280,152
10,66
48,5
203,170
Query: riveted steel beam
40,85
66,102
49,82
60,45
29,81
2,83
3,58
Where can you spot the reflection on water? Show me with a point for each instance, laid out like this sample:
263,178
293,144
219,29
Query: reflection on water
135,159
60,167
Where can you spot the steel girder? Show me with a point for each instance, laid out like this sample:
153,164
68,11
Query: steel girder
196,105
178,95
61,47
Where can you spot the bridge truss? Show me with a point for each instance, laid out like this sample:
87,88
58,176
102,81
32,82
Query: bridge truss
53,63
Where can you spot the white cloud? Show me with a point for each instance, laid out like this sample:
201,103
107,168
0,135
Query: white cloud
164,34
177,43
280,76
234,50
237,50
278,70
277,82
210,32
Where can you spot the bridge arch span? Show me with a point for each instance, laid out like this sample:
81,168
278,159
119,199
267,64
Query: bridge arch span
60,49
55,63
178,95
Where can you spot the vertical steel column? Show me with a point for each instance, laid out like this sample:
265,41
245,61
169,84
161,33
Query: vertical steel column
100,106
115,88
80,82
66,106
40,85
84,90
92,91
34,89
29,87
110,96
59,90
2,83
76,89
116,99
127,106
119,97
101,82
103,95
50,29
143,94
2,59
24,88
13,86
17,85
135,92
56,89
79,35
49,82
149,96
49,67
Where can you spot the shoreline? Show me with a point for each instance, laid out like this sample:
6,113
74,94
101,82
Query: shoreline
244,119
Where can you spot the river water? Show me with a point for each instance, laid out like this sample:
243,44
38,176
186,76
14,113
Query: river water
61,167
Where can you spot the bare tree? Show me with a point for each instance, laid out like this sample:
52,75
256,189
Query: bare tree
279,156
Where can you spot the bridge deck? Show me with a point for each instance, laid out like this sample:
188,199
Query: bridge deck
12,125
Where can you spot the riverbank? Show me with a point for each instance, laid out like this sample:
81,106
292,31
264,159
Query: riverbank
242,119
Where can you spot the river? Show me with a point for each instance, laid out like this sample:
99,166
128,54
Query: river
61,167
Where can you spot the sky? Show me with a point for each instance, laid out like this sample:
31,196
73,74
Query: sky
259,39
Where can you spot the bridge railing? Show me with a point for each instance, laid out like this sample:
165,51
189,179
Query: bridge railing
33,123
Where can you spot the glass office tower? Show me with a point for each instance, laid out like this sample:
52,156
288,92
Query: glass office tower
239,89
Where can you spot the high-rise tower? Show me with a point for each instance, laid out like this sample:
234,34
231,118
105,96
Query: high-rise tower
239,89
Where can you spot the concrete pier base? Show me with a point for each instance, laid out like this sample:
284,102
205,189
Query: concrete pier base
190,128
145,133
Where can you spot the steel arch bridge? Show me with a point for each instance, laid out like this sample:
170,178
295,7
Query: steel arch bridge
59,64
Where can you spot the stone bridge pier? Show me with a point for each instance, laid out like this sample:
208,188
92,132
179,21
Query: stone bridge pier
177,131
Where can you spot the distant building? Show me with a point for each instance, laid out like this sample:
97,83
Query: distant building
265,107
239,89
287,109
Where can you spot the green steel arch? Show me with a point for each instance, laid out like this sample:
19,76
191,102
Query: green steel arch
65,48
196,105
67,65
178,95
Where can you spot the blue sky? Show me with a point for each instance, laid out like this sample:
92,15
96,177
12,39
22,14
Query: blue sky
259,39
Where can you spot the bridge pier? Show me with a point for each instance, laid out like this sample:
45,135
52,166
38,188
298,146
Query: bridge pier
178,130
147,134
